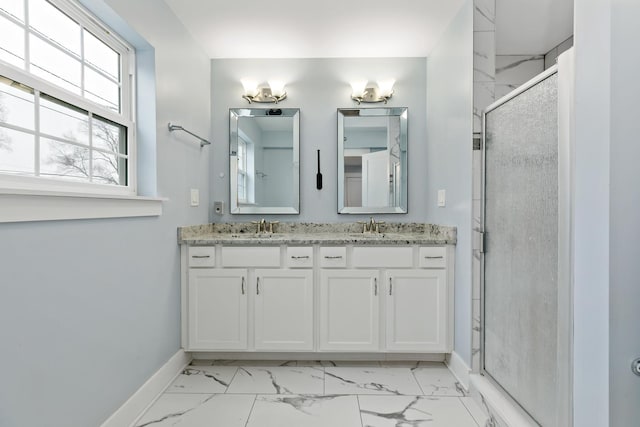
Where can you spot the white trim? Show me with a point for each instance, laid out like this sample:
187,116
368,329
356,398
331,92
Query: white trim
146,395
458,368
309,355
499,407
27,205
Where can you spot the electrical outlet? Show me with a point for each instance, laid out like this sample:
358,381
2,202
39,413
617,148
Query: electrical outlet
442,198
195,197
218,207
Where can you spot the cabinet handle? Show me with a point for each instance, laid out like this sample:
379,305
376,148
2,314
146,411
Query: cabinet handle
200,256
333,257
434,257
258,286
242,285
300,257
390,286
375,286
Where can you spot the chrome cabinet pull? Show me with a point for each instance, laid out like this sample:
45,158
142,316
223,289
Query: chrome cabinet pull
434,257
300,257
390,286
333,257
258,286
375,286
200,256
242,285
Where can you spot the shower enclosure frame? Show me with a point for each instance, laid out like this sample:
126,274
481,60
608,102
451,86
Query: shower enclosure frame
565,71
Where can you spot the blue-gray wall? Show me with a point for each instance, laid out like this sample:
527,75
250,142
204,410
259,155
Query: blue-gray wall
448,156
319,87
90,309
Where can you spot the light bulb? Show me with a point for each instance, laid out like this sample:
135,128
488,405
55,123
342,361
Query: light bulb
357,88
385,87
250,87
277,87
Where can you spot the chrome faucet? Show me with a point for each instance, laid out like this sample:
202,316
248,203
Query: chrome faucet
261,225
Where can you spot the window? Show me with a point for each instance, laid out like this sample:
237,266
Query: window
66,115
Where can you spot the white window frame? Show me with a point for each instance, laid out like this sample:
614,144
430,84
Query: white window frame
55,193
242,170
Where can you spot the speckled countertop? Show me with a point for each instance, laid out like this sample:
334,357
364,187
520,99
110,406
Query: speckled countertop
300,233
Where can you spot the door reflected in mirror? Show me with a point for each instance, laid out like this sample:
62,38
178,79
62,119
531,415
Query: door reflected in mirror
372,160
264,160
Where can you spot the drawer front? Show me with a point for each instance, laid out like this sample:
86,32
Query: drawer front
333,257
383,257
250,256
433,257
202,256
299,257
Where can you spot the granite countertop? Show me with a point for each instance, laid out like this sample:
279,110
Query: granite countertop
299,233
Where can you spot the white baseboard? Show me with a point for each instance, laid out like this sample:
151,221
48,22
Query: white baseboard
500,408
146,395
459,368
382,357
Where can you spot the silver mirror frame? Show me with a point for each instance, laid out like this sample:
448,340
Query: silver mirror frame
402,113
234,115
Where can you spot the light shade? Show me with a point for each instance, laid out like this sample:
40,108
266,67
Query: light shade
250,87
385,87
357,88
277,87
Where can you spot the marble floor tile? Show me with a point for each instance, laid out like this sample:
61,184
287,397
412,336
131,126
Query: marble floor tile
475,410
404,364
354,380
278,380
305,411
203,379
437,380
414,411
198,410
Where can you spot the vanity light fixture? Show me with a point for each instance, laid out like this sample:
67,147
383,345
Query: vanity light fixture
369,92
272,93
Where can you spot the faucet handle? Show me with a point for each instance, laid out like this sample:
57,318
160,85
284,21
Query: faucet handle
364,226
271,224
378,226
258,223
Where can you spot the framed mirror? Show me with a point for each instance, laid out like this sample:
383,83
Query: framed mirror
372,160
264,160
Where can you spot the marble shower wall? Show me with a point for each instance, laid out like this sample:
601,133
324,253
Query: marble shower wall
515,70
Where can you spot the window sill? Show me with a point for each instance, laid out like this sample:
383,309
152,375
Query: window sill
29,205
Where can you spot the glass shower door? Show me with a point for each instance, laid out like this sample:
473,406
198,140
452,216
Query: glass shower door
520,292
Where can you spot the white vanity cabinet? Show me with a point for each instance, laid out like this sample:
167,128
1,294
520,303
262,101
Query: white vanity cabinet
349,306
283,313
318,298
217,309
417,311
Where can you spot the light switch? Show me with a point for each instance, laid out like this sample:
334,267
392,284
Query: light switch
195,197
442,198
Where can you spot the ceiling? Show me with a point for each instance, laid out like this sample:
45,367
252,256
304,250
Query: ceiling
316,29
532,27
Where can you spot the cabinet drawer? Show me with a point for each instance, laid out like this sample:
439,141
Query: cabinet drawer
202,256
299,257
333,257
250,256
383,257
433,257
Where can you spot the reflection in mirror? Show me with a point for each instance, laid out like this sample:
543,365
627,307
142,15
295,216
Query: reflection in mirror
264,147
372,160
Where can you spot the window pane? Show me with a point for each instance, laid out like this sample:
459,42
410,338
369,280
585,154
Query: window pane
109,168
54,65
101,56
11,42
16,152
55,25
101,90
63,121
13,7
60,160
16,105
109,136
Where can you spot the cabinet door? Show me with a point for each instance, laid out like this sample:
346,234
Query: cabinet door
416,310
349,310
284,310
217,309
